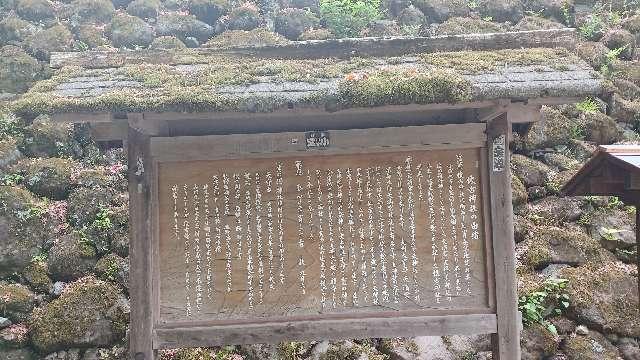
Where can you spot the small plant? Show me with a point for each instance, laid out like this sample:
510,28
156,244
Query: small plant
103,220
42,257
112,270
567,16
11,179
9,125
609,234
588,105
488,18
347,18
607,68
614,202
538,306
592,29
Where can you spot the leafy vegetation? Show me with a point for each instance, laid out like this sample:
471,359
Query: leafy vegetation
538,306
103,220
347,18
588,105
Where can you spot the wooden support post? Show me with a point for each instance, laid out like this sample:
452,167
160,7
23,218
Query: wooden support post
638,249
140,178
506,343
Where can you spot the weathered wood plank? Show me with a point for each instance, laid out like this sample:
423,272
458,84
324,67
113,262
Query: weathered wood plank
327,329
339,48
225,146
507,340
140,204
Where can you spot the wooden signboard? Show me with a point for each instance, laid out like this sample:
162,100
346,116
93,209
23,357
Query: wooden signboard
323,235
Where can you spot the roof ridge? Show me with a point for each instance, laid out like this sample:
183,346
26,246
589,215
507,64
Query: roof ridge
332,48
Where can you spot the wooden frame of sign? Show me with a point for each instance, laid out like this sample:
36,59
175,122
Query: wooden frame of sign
380,232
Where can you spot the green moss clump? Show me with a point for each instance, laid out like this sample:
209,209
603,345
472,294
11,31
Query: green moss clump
475,62
18,70
316,34
130,31
292,22
537,23
35,10
467,25
92,36
71,257
546,244
16,301
604,295
84,204
167,42
93,10
593,346
44,138
48,177
55,38
144,9
66,321
519,191
242,38
244,17
351,351
37,275
402,87
14,29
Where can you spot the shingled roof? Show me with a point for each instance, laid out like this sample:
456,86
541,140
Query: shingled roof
330,75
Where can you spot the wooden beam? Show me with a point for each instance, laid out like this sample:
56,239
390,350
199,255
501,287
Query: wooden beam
117,130
140,204
102,117
337,48
507,340
518,113
326,330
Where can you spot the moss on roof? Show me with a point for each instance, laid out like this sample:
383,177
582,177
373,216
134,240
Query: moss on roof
201,83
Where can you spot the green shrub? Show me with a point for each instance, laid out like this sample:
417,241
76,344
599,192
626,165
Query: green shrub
347,18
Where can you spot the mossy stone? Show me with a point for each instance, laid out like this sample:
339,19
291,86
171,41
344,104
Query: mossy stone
35,10
501,10
620,39
130,31
592,346
47,177
183,26
89,312
244,17
114,268
15,30
538,343
144,9
316,34
554,129
16,301
460,25
531,172
553,210
9,153
411,18
18,70
208,11
292,22
604,296
84,204
167,42
632,24
438,11
37,275
552,245
600,128
70,258
626,111
91,35
594,53
99,11
55,38
519,191
44,138
537,23
22,233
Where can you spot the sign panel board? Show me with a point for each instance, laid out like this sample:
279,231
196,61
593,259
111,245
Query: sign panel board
261,229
